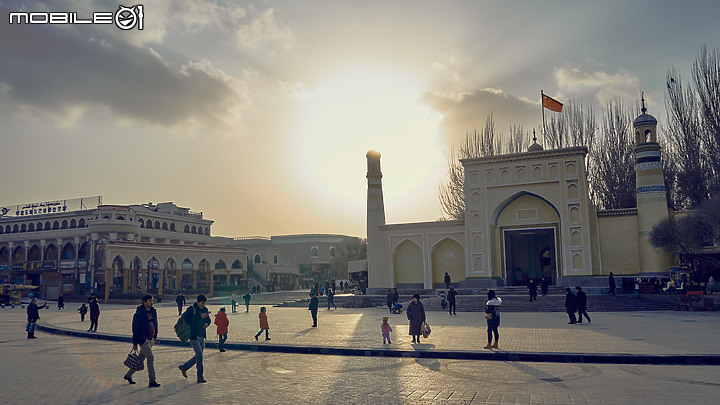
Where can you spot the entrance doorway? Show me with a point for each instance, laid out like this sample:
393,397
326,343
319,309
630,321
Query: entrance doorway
530,254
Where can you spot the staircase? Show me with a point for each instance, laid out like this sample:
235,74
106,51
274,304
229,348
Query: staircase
516,299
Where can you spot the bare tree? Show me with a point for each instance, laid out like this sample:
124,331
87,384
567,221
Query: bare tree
685,143
476,144
611,168
574,126
706,80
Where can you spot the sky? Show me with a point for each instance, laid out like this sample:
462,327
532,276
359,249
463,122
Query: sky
259,113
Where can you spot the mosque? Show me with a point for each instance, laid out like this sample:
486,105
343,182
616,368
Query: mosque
527,215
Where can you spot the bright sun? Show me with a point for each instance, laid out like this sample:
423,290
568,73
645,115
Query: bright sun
362,109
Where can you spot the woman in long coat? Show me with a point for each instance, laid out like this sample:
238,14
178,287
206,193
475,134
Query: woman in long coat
416,316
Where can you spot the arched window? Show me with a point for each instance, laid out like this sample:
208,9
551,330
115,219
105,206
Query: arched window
120,218
64,224
157,224
38,227
34,254
51,253
142,223
15,228
31,227
73,223
207,231
172,227
7,229
164,226
81,223
258,259
193,230
275,259
23,228
332,252
47,226
314,251
83,251
68,252
56,225
187,228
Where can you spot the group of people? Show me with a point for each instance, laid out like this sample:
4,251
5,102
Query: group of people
197,317
576,302
234,300
532,287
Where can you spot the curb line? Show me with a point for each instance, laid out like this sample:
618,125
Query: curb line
536,357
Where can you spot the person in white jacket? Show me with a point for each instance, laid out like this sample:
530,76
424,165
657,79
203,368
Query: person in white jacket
492,314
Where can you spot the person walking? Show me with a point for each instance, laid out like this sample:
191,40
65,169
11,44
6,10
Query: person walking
83,310
144,335
611,283
385,328
180,301
61,302
416,315
247,297
198,317
447,280
331,298
233,301
544,286
451,300
313,307
532,289
570,305
222,322
389,300
581,298
264,326
492,315
94,312
32,316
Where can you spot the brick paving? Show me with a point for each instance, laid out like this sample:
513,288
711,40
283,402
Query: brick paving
72,370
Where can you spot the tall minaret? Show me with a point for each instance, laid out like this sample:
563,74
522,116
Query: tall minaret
651,194
378,266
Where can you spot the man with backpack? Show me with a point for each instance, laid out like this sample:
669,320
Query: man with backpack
197,317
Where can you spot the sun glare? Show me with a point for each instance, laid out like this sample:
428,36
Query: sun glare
359,110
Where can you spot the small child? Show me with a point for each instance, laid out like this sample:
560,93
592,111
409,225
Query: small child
386,329
83,310
263,324
222,322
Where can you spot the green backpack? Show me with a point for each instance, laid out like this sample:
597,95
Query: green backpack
182,328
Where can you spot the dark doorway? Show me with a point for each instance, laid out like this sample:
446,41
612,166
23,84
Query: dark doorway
530,254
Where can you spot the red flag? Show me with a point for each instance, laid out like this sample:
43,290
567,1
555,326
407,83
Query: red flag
551,104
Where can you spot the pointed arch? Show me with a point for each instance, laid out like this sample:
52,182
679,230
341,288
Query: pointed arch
447,256
51,252
495,213
34,254
408,264
68,252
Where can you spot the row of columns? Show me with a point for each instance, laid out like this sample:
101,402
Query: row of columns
177,275
43,244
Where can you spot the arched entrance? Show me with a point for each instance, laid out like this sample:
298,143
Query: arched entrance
408,265
529,237
448,256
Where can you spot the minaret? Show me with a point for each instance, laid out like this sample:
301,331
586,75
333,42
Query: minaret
650,188
378,274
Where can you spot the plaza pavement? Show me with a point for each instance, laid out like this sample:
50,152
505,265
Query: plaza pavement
72,369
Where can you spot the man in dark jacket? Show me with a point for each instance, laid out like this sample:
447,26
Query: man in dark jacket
180,301
447,280
570,304
313,307
389,300
144,335
198,317
32,316
532,289
581,304
396,297
451,300
94,312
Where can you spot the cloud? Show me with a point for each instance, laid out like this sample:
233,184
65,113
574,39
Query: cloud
265,29
56,70
464,112
575,83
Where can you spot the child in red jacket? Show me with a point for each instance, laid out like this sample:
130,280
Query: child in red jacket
263,324
222,322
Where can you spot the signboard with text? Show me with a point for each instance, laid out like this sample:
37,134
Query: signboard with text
50,207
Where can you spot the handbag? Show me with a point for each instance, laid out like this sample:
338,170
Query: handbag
133,361
425,330
488,316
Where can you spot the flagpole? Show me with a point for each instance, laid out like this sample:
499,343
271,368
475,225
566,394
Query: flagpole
542,107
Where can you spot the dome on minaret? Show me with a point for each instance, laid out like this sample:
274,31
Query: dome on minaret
644,119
